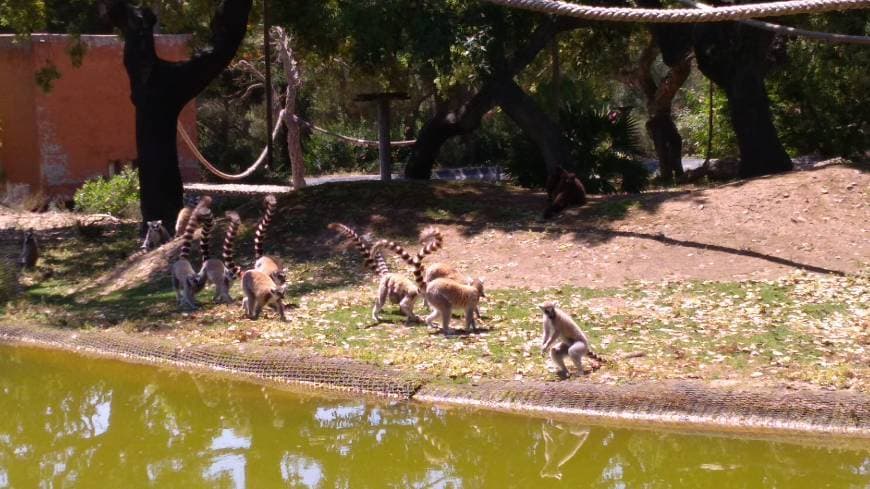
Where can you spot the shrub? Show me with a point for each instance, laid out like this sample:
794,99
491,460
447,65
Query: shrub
605,149
118,196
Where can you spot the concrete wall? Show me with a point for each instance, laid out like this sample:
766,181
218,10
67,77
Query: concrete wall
55,141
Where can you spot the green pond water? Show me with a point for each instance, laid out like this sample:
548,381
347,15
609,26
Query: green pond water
70,421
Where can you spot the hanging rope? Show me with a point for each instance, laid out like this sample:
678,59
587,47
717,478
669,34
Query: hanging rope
793,31
263,155
353,141
227,176
674,16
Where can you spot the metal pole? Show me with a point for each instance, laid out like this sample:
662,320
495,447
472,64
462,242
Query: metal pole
267,50
384,139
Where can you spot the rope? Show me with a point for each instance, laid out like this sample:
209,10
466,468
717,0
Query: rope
674,16
227,176
348,139
263,155
793,31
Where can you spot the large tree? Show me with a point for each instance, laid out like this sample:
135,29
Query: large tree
737,57
160,89
498,88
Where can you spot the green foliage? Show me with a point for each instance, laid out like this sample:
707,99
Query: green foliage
46,76
324,154
118,196
605,152
692,119
606,148
819,99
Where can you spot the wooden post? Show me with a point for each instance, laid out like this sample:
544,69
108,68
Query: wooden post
383,100
384,140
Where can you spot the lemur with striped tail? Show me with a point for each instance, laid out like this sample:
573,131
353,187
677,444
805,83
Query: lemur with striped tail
220,273
156,235
271,266
442,294
559,327
261,291
184,279
393,286
432,237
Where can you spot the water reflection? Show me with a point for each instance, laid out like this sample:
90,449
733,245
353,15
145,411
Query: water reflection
561,443
74,423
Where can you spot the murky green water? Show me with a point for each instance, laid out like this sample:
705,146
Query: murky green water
66,421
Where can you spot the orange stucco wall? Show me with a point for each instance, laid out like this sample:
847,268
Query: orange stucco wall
55,141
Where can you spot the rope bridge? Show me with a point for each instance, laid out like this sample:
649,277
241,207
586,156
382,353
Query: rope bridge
683,16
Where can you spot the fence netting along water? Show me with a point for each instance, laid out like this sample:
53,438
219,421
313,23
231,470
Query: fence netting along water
732,407
263,362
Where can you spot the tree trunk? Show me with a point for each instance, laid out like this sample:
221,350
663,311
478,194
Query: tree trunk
668,145
447,123
736,57
659,102
294,131
160,89
443,126
535,123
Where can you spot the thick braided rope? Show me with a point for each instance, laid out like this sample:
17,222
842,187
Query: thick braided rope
364,143
210,167
677,16
793,31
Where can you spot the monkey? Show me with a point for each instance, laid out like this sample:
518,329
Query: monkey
393,286
433,237
445,294
269,265
442,294
185,281
29,250
155,236
564,189
558,326
221,273
260,291
182,219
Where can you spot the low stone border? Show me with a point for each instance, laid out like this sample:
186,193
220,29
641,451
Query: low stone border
680,404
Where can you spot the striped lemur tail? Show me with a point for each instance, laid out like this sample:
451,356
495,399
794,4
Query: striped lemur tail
260,234
205,236
229,240
373,261
595,356
201,214
432,239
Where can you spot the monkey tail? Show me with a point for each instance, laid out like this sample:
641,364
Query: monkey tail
414,261
229,240
260,234
595,356
205,236
199,216
373,260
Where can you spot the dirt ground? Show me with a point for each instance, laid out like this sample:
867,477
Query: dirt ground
816,220
764,228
